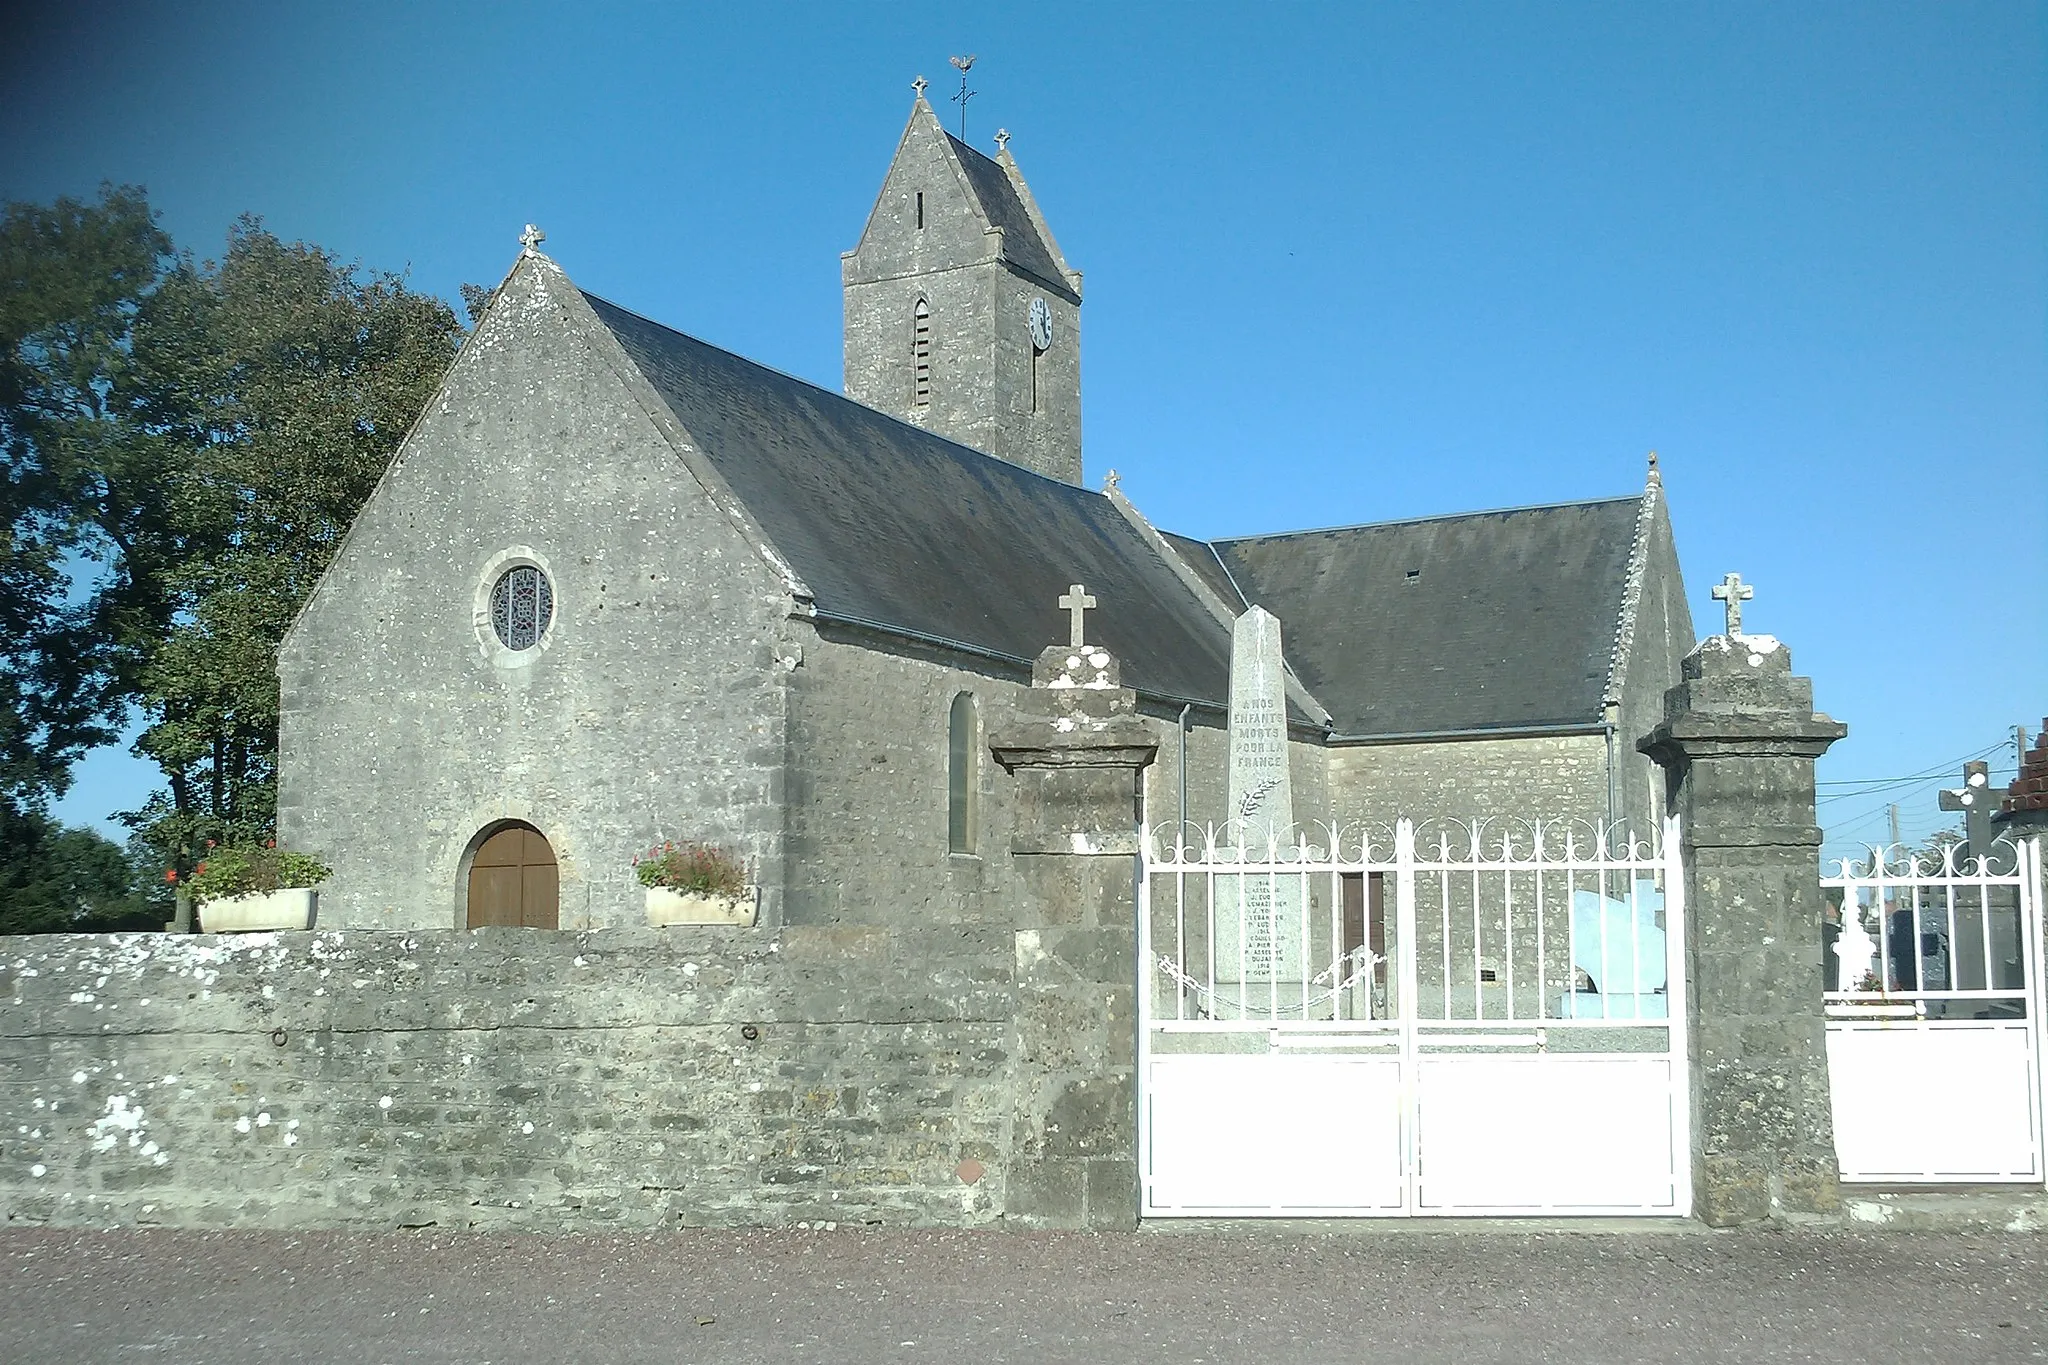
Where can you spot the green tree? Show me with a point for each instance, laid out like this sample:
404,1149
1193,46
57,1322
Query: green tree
55,880
277,384
78,495
185,445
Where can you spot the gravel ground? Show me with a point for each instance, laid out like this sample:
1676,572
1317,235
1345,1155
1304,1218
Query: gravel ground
1214,1293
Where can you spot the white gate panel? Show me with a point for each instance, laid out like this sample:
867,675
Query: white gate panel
1256,1135
1928,1101
1547,1134
1487,1020
1934,1015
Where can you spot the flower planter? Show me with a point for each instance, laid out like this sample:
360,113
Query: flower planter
666,907
254,911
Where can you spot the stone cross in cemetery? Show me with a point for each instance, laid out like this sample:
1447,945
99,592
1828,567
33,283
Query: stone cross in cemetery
1076,601
1977,799
1733,592
1258,917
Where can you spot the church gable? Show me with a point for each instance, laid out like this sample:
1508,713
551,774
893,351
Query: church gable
927,216
544,617
944,204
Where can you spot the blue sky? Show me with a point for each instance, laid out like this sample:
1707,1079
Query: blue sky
1344,263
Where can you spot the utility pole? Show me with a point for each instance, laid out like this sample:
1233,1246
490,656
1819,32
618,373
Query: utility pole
1895,824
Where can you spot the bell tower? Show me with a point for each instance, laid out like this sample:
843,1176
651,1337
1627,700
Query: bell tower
962,316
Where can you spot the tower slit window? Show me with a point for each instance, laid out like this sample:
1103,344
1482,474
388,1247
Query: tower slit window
920,210
921,354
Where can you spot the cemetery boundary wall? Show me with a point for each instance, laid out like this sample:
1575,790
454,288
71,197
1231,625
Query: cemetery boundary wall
508,1079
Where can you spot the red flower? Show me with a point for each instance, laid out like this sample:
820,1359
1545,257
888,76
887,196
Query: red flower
199,869
272,843
209,843
170,874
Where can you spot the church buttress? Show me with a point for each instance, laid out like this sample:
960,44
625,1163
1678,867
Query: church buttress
962,316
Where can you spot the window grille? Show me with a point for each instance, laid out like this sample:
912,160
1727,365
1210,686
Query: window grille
522,605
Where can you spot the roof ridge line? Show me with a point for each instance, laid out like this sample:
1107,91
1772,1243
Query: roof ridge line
1417,521
1631,592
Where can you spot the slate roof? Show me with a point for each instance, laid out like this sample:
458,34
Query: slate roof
896,527
1509,619
1508,622
1200,556
1023,244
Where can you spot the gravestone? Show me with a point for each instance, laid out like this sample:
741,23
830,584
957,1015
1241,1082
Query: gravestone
1258,916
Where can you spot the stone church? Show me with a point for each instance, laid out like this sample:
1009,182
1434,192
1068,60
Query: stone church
621,586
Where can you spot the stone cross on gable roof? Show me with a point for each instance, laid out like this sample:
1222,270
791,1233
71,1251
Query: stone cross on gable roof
1734,592
918,85
531,239
1002,141
1076,601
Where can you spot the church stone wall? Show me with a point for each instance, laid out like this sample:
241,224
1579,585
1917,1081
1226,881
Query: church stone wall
1208,773
1548,777
507,1078
654,708
868,786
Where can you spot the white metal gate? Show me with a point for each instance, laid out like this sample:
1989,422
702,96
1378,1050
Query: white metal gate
1472,1019
1934,1006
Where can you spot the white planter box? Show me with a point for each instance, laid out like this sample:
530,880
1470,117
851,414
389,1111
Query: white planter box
666,907
253,911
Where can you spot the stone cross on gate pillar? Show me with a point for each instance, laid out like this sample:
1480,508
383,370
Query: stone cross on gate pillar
1737,745
1977,799
1733,592
1076,601
531,239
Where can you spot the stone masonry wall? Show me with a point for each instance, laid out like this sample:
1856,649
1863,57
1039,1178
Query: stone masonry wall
867,790
507,1078
1553,777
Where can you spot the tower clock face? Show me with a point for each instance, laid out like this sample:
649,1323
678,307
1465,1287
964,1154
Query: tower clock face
1041,325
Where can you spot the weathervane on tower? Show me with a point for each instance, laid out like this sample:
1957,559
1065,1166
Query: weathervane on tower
961,64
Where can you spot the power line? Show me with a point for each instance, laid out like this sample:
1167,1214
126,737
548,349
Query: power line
1872,786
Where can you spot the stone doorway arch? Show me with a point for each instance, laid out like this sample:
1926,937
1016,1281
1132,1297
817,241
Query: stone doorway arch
513,880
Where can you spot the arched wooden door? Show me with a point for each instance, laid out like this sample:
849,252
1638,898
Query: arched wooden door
512,880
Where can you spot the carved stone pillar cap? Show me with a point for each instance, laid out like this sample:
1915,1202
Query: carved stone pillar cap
1084,666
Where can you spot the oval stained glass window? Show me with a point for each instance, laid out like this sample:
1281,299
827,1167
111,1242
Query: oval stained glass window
522,604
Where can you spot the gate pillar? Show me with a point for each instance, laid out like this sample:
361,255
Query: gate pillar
1737,745
1078,750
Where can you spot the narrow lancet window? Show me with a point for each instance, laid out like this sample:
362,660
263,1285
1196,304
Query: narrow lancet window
920,210
921,354
963,775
